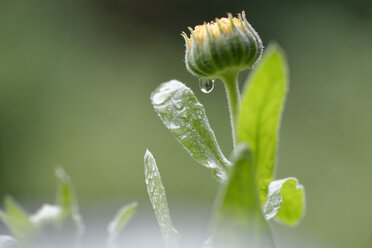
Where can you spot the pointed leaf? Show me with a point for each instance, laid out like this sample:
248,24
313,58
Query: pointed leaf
120,221
18,221
240,222
285,201
67,201
185,117
260,114
66,197
158,199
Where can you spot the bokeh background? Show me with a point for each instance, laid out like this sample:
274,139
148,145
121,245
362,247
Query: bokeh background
75,81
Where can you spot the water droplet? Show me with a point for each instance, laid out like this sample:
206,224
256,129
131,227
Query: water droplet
206,85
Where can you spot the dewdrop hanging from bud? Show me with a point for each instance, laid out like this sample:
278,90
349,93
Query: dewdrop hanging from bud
222,48
206,85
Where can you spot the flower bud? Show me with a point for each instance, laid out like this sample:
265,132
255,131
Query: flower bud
226,46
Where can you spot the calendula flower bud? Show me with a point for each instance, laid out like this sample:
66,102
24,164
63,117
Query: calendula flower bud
226,46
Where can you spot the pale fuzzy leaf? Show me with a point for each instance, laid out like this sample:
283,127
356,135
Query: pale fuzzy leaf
159,202
261,109
240,222
120,220
185,117
7,242
285,201
47,214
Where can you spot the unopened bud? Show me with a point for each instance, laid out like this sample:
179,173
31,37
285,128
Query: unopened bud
225,46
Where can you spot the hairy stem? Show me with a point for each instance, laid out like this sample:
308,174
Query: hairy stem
233,97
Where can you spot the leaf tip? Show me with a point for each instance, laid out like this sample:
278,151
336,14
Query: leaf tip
62,175
274,46
148,156
133,205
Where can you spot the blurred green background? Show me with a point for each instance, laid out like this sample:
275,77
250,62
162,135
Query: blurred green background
75,81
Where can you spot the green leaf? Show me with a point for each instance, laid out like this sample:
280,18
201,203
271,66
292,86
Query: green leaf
7,242
261,109
240,222
66,197
185,117
18,221
120,220
285,201
67,201
158,199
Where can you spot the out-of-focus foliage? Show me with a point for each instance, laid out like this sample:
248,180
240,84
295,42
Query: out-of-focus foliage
17,220
57,225
120,220
50,221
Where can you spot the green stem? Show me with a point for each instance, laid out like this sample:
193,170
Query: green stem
233,97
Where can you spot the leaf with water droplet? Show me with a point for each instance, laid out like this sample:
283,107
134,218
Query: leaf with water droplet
185,117
206,85
156,192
